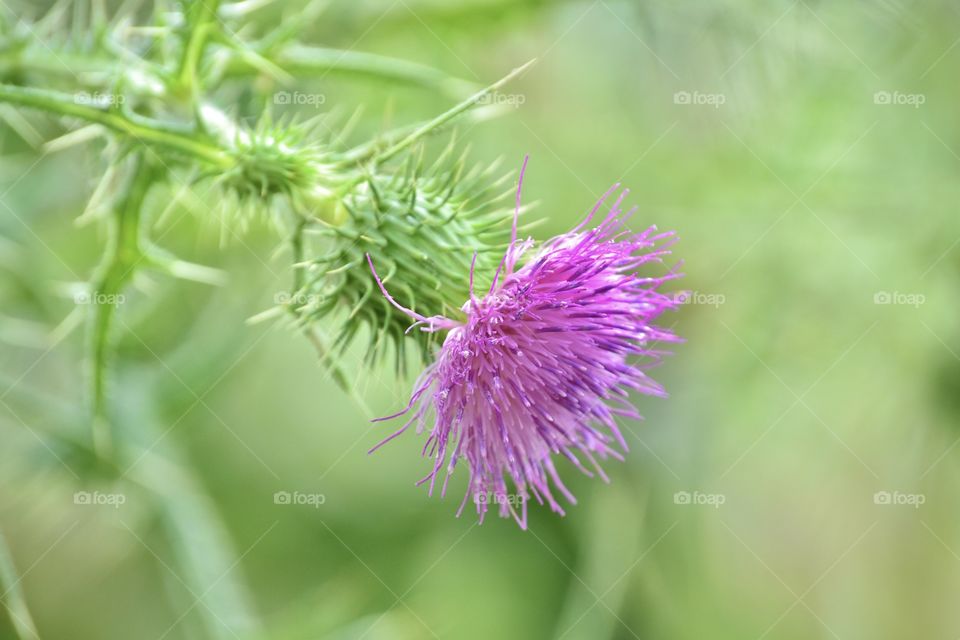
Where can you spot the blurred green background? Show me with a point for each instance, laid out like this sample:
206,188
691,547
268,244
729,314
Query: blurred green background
800,482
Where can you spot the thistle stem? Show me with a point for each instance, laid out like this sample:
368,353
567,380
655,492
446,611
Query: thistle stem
145,130
447,116
122,256
302,60
201,21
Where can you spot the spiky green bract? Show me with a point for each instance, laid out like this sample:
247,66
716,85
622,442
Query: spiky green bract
424,227
274,160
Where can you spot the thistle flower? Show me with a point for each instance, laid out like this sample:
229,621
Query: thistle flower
543,363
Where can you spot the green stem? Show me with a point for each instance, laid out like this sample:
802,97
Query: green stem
119,263
145,130
201,16
405,137
294,59
18,60
448,115
301,60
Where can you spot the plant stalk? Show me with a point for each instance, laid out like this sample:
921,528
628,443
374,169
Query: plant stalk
145,130
120,261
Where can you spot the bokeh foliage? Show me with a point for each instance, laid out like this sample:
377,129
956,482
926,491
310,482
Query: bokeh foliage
799,200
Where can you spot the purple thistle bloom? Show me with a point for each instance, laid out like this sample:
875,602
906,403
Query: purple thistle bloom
543,363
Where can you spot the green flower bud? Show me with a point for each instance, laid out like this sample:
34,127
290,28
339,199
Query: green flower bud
422,229
270,161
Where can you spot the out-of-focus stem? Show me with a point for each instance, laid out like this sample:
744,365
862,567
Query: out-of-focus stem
119,263
303,60
141,129
448,115
201,16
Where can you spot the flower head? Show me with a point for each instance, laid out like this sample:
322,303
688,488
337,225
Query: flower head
543,363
